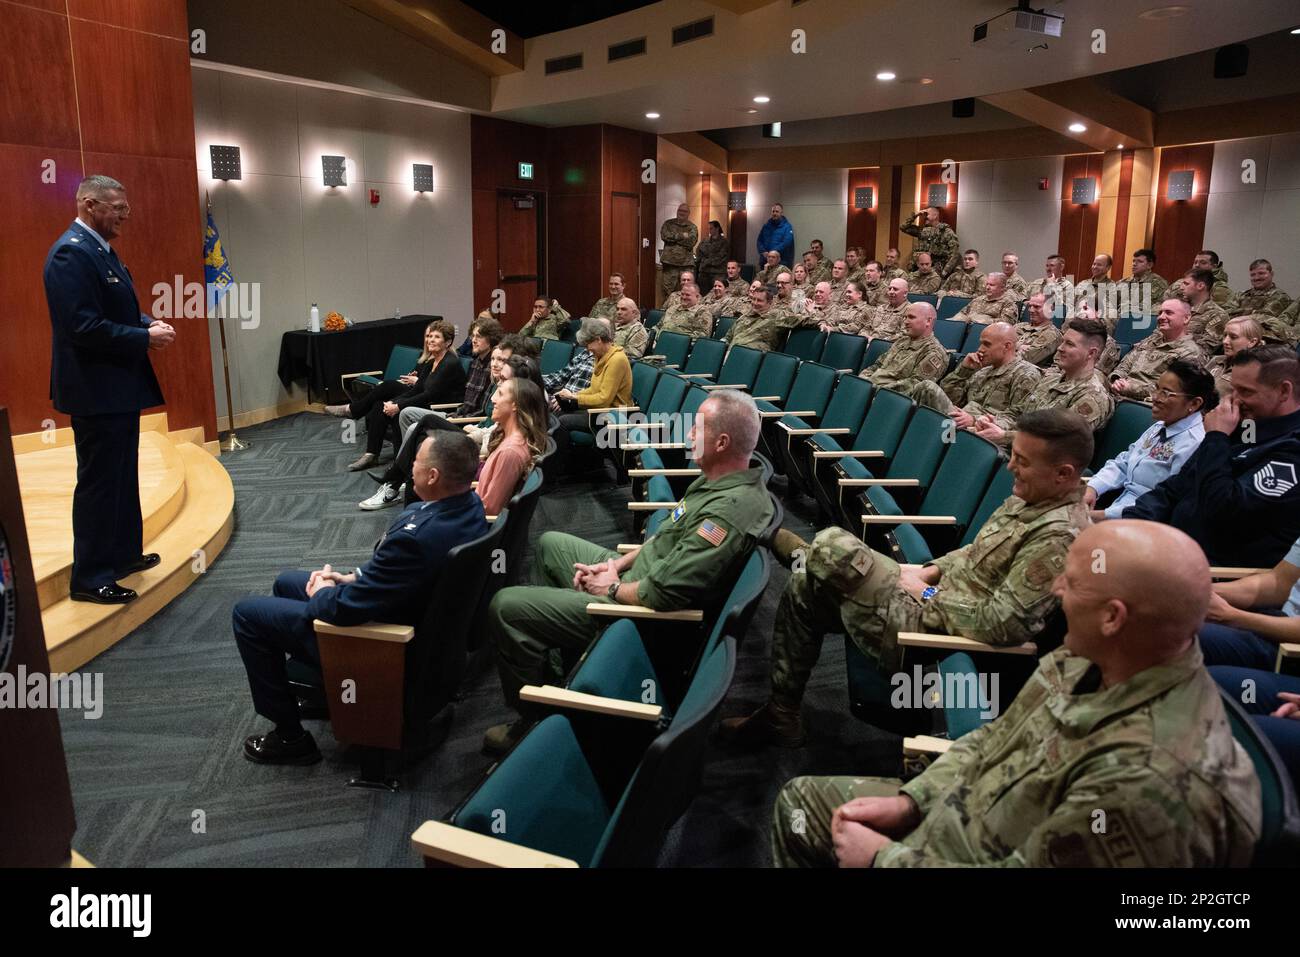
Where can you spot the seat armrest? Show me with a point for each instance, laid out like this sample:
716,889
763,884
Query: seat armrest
646,473
739,387
467,420
1224,572
849,455
915,639
909,519
649,506
354,375
616,408
767,398
697,375
882,482
926,744
444,405
373,630
458,847
596,704
793,431
608,609
801,413
625,548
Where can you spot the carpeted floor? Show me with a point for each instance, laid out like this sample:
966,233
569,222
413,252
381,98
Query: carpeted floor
160,780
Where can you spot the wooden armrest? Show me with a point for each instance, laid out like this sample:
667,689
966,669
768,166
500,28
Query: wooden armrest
909,519
353,375
461,848
926,744
883,482
739,387
616,408
672,365
848,455
845,370
1288,649
614,610
444,405
598,704
467,419
804,413
697,375
649,506
767,398
374,630
794,431
915,639
625,548
1223,571
646,473
649,358
490,518
638,446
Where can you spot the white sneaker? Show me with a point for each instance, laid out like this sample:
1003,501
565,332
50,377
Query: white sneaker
384,497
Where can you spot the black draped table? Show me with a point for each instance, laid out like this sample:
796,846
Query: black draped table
320,358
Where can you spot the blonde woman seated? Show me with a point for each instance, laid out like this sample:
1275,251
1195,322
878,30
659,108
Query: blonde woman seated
1244,332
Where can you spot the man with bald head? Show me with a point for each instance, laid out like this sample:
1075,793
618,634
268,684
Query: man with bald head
1037,338
994,304
1137,373
1117,753
924,280
1096,289
685,278
629,332
886,321
990,380
914,356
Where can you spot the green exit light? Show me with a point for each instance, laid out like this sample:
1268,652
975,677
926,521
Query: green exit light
525,170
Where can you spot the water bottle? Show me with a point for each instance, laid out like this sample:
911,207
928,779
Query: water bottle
397,314
313,321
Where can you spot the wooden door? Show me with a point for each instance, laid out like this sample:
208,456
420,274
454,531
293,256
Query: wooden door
625,240
518,262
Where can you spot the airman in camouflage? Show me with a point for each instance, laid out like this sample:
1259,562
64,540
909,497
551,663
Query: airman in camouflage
765,324
679,236
1144,290
1220,291
772,267
818,267
934,237
839,280
1263,296
1205,325
995,304
629,332
1017,287
736,284
969,280
711,256
685,278
989,380
886,322
1135,376
1116,753
1286,327
1057,290
924,281
1073,384
857,267
607,308
917,355
548,320
1241,332
996,590
823,313
890,269
1038,338
1098,288
689,317
874,290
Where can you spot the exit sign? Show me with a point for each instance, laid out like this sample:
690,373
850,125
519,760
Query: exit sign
525,170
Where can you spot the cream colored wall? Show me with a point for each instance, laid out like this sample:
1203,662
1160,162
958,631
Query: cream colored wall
1000,208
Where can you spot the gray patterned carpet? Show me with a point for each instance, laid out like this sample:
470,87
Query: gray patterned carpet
159,779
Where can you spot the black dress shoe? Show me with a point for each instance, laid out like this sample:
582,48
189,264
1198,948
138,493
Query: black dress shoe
104,595
270,748
140,564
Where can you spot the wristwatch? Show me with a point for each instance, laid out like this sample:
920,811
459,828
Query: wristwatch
612,593
929,592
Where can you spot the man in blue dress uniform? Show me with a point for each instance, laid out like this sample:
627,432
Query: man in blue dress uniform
100,375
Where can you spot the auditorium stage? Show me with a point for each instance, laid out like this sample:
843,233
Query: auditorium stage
187,501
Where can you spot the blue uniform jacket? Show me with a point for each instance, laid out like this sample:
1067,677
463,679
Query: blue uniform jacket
778,236
100,361
1240,501
396,584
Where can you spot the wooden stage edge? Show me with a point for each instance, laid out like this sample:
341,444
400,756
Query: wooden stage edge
199,523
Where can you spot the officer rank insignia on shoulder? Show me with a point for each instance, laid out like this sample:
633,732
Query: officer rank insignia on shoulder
711,533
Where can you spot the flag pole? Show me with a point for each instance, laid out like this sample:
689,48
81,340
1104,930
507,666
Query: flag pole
232,442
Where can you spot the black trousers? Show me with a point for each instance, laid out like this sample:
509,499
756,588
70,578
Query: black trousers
371,408
107,529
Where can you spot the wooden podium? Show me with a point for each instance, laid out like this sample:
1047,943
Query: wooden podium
36,816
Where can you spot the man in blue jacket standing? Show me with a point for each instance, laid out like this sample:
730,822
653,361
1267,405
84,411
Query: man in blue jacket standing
778,234
100,375
394,586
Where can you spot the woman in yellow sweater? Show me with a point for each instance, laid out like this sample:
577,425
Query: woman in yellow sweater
611,384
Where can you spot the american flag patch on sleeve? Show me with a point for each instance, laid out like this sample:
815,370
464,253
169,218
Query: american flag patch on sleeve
713,534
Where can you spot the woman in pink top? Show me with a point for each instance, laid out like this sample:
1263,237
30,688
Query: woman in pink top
519,413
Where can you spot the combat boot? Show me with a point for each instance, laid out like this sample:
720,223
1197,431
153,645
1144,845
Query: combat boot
784,544
771,724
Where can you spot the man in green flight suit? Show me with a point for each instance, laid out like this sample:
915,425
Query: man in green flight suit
710,534
1117,753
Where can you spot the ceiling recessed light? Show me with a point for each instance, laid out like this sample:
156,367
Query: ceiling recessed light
1295,32
1163,13
1078,128
885,75
652,116
762,99
751,111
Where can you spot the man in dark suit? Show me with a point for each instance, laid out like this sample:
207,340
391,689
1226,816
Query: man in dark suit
394,586
101,376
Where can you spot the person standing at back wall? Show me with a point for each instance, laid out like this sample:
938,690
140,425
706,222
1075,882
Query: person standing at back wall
100,375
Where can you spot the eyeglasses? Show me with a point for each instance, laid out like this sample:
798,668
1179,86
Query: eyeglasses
1166,394
119,208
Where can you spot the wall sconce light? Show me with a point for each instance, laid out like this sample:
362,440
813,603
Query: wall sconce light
225,162
1181,183
864,197
937,194
1083,190
422,177
335,170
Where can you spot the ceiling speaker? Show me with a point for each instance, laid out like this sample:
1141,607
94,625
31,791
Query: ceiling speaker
1230,61
963,109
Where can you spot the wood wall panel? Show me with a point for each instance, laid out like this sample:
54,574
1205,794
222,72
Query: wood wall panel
53,6
1078,233
861,226
737,220
484,246
38,105
933,173
143,108
574,224
1179,231
497,147
1119,246
148,16
895,210
623,152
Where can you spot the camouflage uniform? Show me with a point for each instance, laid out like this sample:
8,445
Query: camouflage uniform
1218,367
996,590
606,308
632,337
1155,755
767,275
1133,295
924,285
678,252
694,322
1221,292
711,260
1088,396
738,287
1150,357
965,282
939,241
856,274
1271,301
673,301
1206,326
1058,293
728,305
984,309
908,360
548,326
837,289
889,273
763,332
1097,292
1037,344
852,319
875,295
886,322
1286,327
1109,358
1017,288
821,271
980,390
